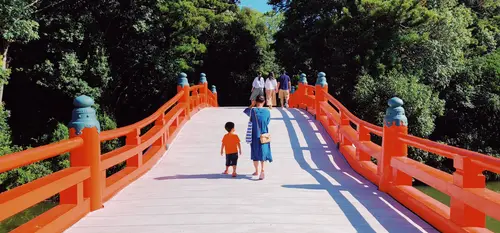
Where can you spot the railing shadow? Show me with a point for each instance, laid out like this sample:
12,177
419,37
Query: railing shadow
367,209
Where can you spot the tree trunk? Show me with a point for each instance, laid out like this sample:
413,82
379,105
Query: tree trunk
4,66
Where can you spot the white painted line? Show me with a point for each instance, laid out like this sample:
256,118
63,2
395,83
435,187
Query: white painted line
354,178
308,159
403,215
370,219
329,178
289,114
330,157
300,134
321,139
313,125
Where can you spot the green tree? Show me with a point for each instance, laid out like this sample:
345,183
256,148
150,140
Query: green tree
16,26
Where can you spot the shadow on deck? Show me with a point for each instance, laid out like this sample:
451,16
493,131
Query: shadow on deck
367,209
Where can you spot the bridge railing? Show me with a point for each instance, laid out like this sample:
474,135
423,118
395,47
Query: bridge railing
388,166
84,186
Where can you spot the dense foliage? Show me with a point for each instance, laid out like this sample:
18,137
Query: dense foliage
442,57
124,54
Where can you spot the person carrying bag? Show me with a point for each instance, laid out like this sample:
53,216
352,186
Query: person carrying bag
260,136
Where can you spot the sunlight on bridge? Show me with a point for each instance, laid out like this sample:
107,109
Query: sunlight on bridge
172,180
309,187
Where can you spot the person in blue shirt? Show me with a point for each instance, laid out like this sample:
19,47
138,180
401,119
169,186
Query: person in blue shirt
284,85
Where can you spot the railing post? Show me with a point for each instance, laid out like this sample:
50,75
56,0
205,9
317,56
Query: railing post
195,99
163,139
134,139
344,121
214,90
183,85
363,136
302,92
466,175
84,124
321,85
204,90
395,123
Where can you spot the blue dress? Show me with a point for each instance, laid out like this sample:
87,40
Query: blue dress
260,152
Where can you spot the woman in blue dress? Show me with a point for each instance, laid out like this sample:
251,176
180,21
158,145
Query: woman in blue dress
260,118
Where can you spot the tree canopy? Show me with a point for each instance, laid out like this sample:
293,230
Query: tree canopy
441,57
124,54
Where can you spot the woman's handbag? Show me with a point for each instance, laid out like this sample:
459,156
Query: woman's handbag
265,137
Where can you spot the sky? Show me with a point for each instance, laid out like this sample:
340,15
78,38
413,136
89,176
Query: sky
260,5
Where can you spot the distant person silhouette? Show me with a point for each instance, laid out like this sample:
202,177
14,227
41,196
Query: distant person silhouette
271,87
284,85
257,88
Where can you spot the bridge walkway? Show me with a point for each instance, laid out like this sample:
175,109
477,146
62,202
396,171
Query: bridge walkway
308,188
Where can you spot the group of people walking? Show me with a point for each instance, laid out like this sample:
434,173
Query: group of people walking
270,87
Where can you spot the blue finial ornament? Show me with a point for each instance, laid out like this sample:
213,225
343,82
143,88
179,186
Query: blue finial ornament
303,78
395,114
292,90
321,79
203,78
182,80
214,90
83,116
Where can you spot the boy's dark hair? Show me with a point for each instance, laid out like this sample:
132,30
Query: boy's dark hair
260,99
229,126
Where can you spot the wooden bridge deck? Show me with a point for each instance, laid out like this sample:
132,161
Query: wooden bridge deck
308,188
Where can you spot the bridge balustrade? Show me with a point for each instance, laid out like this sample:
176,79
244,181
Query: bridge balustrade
84,186
389,167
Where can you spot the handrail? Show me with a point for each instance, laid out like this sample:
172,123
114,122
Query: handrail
29,156
487,162
83,187
470,202
195,87
122,131
377,130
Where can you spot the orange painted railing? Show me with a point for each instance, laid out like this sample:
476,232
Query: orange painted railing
393,171
84,187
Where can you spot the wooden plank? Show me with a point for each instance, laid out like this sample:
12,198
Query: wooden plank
431,176
117,156
20,198
370,148
57,219
433,211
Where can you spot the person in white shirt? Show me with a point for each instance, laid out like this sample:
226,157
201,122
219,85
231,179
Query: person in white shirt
271,87
257,89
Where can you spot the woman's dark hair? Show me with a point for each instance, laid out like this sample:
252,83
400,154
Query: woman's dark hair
229,126
260,99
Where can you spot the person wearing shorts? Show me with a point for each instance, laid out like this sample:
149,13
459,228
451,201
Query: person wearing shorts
284,85
231,145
